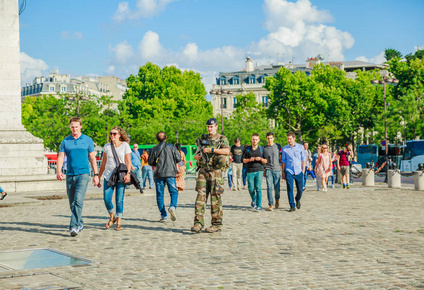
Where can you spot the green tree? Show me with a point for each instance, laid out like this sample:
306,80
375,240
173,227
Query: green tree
165,99
390,53
419,54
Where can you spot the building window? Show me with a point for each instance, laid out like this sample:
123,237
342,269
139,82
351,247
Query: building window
235,105
224,103
51,89
63,89
252,79
265,101
236,80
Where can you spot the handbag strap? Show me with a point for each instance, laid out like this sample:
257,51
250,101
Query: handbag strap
115,155
164,145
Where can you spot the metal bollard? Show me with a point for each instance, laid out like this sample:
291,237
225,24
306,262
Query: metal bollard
393,178
368,177
419,178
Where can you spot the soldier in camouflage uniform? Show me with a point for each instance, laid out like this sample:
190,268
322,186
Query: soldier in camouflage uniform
212,159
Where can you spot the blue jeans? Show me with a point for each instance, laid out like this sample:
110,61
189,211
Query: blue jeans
119,198
299,182
310,172
1,190
147,172
244,175
254,183
160,192
76,188
273,178
230,178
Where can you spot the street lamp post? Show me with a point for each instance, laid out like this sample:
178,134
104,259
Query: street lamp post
389,81
221,92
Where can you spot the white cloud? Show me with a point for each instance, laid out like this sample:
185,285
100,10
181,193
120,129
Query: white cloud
378,59
110,70
31,68
295,31
143,8
71,35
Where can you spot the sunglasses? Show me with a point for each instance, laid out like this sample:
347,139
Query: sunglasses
324,147
113,133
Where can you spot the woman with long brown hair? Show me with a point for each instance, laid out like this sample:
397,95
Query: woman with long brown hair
119,140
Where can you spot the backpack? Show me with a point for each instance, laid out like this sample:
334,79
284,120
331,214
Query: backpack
260,148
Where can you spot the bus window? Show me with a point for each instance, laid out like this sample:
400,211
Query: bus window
367,149
417,148
184,149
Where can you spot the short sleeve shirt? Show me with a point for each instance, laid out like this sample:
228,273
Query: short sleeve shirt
237,153
76,151
344,161
253,166
121,151
135,159
272,155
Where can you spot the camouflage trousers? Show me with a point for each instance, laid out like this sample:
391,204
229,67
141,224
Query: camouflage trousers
209,182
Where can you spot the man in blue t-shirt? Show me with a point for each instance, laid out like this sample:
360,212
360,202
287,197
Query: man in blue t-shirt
136,161
79,150
293,160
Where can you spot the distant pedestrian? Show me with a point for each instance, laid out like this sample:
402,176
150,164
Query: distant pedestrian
164,157
253,158
119,140
308,168
212,160
146,170
3,193
343,164
79,149
230,178
314,167
236,154
324,166
181,169
333,169
136,162
272,171
293,168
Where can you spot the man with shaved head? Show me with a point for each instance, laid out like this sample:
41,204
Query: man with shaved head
164,157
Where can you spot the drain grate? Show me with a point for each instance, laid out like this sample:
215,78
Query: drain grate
38,258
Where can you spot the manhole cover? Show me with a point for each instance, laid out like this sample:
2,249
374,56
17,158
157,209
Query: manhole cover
38,258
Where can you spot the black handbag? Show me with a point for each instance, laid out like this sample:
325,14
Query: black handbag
121,168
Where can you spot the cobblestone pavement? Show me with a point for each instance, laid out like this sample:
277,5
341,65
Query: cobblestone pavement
341,239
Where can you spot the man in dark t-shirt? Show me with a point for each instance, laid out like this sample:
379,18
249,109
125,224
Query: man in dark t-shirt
236,155
253,159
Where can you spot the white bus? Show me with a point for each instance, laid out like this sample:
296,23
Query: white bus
413,155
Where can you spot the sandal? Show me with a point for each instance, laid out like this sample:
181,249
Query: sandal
119,227
110,223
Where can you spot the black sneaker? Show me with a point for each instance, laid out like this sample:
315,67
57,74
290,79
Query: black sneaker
292,208
344,186
3,195
298,204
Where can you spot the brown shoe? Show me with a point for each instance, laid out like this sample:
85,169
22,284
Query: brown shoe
277,203
212,229
271,207
196,228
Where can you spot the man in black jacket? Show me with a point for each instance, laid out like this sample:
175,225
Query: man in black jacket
164,157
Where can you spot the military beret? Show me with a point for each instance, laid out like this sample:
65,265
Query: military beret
211,121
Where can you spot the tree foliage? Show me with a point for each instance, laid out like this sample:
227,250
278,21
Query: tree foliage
390,53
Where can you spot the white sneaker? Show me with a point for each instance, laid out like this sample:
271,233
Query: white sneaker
171,211
74,232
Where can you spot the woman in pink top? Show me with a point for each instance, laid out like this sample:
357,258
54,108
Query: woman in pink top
324,166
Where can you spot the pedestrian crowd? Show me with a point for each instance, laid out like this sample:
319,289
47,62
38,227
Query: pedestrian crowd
165,166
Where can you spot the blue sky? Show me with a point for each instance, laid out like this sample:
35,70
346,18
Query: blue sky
209,36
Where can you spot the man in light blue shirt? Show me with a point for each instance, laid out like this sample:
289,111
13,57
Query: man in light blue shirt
293,160
79,150
136,162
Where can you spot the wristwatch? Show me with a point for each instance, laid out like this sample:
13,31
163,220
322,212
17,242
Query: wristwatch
96,174
213,149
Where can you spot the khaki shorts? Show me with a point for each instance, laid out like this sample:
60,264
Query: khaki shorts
344,170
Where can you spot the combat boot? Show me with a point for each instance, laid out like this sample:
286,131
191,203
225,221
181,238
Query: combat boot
212,229
196,228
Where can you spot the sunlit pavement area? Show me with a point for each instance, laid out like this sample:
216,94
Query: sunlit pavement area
340,239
